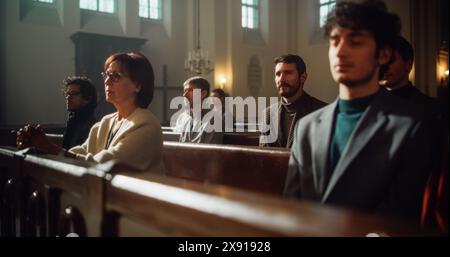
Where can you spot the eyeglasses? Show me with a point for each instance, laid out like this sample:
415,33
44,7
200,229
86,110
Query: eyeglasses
71,94
113,76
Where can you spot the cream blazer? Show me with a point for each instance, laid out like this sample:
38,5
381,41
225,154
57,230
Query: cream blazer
138,142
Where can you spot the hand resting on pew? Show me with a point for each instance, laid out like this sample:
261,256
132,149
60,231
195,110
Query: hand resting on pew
30,136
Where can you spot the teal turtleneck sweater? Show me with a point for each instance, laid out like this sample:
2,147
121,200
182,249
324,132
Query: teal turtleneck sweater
347,116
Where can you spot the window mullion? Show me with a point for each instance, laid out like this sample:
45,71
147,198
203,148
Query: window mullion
250,14
149,9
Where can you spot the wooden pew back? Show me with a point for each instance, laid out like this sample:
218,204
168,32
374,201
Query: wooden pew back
229,138
252,168
57,196
8,133
152,205
10,165
53,196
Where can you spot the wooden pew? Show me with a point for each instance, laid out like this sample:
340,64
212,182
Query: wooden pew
56,138
241,138
165,128
252,168
248,127
171,136
152,205
229,138
8,133
56,196
67,192
238,126
10,168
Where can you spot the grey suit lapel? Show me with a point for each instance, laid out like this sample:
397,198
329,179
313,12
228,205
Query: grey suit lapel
324,127
372,120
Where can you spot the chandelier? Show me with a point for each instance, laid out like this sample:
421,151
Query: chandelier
198,62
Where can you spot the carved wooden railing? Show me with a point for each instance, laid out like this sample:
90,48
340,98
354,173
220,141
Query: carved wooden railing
49,196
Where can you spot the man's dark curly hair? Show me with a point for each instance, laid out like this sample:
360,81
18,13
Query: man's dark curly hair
370,15
87,89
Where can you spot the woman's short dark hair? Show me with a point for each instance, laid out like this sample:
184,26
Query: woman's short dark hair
87,89
140,71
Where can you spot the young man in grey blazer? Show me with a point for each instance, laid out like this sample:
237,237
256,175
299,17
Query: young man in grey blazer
368,150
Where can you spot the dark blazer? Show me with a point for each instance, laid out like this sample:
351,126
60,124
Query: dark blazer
384,166
304,106
78,126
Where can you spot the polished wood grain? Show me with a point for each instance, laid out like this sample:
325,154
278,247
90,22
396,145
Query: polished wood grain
43,188
252,168
56,196
161,206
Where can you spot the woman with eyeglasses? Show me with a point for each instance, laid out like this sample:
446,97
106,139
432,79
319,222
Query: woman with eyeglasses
132,135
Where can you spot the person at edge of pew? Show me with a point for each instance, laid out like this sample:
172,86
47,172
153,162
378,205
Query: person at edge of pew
290,78
362,151
221,95
198,127
81,100
132,135
396,80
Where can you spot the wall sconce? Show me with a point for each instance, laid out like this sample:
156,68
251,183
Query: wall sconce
442,65
443,74
446,77
222,82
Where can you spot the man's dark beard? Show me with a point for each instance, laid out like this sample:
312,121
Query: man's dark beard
291,92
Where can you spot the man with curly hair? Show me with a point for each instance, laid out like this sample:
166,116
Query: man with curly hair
81,101
362,150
